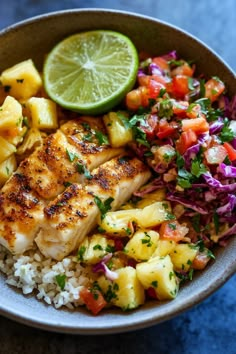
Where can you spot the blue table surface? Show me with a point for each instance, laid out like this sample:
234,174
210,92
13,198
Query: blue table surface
209,327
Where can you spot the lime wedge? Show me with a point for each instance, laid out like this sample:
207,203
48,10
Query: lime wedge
90,72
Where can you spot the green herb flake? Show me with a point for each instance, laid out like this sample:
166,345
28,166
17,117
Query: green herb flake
83,170
97,247
71,155
190,83
102,138
19,81
172,226
87,137
154,283
171,274
110,249
67,184
80,254
61,280
7,88
226,133
198,168
105,206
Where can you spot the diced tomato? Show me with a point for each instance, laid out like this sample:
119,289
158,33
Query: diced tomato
150,127
215,154
200,261
194,111
172,230
180,108
214,88
144,80
154,88
180,86
184,69
93,300
162,63
198,125
186,140
166,129
231,151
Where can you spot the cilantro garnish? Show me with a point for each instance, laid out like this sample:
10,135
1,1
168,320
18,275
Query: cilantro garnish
102,138
61,280
198,168
81,252
71,155
82,169
226,133
165,108
190,83
154,283
105,206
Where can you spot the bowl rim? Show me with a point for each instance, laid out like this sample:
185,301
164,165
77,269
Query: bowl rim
146,321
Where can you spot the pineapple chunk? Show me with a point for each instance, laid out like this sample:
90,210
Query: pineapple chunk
7,149
43,112
95,248
183,255
128,289
119,222
154,214
158,273
10,114
150,198
142,245
119,134
22,80
164,247
7,167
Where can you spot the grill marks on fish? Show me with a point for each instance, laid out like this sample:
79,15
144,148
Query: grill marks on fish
43,176
73,214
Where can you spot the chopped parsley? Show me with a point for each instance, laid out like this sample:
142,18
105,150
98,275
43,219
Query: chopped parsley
226,133
102,138
165,108
147,240
61,280
154,283
197,168
82,169
97,247
71,155
80,254
105,206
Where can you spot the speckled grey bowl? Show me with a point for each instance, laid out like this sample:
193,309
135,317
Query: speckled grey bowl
32,39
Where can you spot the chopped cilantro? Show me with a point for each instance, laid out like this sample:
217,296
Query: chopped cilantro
197,168
162,92
154,283
165,108
179,160
87,137
82,169
81,252
124,120
226,134
102,138
61,280
103,206
71,155
97,247
172,226
110,249
86,126
190,83
67,184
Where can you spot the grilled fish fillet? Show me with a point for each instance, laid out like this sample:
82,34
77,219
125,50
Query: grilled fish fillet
21,211
44,174
55,163
74,213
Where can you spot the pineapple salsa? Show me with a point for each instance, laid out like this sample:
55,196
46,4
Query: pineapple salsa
183,126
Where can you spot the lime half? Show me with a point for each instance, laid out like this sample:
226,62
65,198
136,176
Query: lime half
90,72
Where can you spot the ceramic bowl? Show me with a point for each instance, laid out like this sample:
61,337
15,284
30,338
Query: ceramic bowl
33,38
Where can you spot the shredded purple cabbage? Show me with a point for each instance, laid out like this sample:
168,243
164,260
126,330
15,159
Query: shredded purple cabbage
187,203
226,170
102,267
216,126
214,183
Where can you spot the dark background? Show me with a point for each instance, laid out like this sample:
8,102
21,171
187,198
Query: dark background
209,327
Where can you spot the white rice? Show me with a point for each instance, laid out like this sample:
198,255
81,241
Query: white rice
32,272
